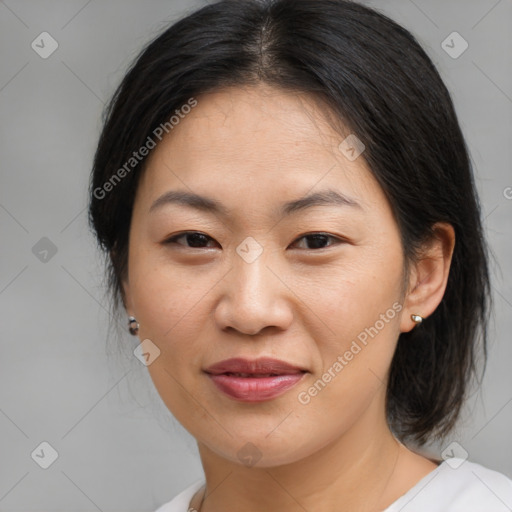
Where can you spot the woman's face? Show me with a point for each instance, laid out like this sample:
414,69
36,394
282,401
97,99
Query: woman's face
250,283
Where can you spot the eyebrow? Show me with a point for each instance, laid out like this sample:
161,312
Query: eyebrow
327,197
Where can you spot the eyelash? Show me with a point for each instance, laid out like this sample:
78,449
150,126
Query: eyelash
173,239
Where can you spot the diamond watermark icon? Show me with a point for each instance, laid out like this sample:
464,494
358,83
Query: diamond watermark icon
352,147
146,352
249,249
44,250
44,45
249,454
454,455
44,455
454,45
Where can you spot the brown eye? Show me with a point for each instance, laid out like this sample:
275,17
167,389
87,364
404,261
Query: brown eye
194,239
319,240
197,240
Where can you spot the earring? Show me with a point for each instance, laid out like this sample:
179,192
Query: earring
133,325
417,319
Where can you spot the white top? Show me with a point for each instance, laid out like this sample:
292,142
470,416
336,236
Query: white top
468,488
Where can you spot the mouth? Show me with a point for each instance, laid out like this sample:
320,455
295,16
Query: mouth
255,388
251,375
263,366
254,381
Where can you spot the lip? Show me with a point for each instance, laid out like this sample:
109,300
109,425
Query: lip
252,386
260,366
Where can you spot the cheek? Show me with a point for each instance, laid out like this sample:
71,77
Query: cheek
165,296
359,307
351,295
353,362
172,312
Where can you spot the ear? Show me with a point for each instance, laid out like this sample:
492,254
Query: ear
429,275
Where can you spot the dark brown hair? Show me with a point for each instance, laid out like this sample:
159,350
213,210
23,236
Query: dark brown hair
391,96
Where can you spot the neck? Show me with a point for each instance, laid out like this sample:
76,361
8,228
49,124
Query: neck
352,472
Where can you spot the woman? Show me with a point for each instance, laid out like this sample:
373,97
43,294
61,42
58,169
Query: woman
291,224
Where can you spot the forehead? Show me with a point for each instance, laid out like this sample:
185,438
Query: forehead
260,142
246,119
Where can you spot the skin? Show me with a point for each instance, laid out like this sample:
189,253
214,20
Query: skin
252,149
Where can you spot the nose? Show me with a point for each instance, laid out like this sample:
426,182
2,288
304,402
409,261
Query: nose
254,298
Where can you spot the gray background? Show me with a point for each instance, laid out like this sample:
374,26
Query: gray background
60,378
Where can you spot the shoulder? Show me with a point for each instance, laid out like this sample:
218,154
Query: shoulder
180,503
458,485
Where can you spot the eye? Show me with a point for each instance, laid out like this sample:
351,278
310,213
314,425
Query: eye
195,239
318,240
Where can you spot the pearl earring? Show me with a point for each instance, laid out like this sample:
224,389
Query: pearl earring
133,325
417,319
